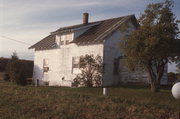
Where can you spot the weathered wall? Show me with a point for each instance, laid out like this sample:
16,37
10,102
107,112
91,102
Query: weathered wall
112,50
60,62
39,56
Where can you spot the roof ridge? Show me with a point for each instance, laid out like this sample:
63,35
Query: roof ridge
66,27
114,26
115,18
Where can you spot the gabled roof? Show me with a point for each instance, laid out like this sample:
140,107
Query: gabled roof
95,34
71,28
46,43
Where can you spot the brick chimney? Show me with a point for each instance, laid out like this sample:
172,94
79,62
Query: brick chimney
85,18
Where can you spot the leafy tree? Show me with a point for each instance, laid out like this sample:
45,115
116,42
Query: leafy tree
154,43
15,70
91,71
12,68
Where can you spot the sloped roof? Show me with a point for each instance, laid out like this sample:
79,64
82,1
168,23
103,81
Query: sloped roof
96,34
70,28
46,43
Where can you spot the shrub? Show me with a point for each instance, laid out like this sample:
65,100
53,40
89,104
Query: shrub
91,71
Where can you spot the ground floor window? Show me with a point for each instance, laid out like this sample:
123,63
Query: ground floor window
45,65
75,62
45,62
46,76
116,66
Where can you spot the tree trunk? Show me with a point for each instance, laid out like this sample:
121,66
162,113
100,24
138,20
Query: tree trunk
158,83
155,77
153,81
154,86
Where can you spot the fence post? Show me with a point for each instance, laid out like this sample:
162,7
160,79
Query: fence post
104,91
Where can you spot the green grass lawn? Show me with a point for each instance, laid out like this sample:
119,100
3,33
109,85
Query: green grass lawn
29,102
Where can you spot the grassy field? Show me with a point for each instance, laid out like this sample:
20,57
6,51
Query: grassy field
29,102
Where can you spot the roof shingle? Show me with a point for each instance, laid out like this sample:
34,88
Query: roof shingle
47,43
96,34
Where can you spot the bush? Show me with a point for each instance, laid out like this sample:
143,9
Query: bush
91,71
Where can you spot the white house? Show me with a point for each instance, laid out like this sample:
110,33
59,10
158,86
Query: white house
56,57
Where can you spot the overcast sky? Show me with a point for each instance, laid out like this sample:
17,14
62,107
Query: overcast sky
31,20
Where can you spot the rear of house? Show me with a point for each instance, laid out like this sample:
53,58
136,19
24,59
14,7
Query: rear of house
56,58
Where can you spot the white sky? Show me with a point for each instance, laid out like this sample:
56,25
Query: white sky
32,20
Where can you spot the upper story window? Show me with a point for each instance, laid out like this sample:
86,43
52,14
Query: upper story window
65,39
67,42
62,42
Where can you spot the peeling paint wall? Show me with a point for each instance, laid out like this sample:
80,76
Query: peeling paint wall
112,51
60,63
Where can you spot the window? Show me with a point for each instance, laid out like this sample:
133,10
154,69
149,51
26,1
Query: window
45,65
75,62
65,39
62,43
116,66
46,76
45,62
69,37
67,42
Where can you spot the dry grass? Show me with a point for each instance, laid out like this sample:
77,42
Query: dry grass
31,102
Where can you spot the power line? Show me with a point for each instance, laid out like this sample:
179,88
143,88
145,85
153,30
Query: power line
15,40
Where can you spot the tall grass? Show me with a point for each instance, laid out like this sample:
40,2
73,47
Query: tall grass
29,102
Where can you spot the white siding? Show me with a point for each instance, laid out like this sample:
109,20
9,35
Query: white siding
52,56
60,62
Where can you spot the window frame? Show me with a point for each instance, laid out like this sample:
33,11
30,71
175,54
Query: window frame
67,42
74,64
45,62
65,39
62,42
45,65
